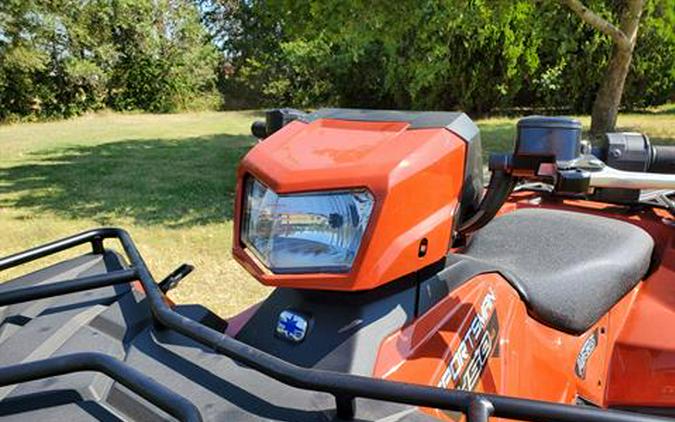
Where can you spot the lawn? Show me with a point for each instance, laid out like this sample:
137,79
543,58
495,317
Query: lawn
167,179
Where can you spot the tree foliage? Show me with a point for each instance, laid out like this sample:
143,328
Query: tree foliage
475,55
63,57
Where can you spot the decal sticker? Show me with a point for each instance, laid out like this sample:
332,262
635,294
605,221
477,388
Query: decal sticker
478,344
585,353
291,326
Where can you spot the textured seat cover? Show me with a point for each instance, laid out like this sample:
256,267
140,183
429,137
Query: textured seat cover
569,268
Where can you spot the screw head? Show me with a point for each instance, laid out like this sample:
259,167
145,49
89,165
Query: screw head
615,152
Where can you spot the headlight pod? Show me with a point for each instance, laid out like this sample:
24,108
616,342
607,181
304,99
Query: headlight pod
305,233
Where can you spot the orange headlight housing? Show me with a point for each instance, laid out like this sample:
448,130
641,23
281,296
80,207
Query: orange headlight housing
413,164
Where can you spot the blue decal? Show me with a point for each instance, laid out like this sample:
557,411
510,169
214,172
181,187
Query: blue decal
291,326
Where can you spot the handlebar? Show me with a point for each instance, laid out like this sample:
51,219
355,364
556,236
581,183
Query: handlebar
550,150
619,179
663,159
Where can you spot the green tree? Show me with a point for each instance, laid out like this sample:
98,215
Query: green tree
166,61
624,38
64,57
476,55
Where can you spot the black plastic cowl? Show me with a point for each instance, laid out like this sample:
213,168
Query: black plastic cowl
275,119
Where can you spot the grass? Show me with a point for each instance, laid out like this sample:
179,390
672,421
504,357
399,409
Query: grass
167,179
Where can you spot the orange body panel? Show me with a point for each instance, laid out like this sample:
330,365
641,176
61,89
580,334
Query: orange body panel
633,363
641,357
527,359
643,362
415,176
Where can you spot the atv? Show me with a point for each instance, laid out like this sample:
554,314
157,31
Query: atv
406,289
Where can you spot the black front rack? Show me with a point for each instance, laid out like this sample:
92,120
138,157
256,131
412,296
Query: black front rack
344,387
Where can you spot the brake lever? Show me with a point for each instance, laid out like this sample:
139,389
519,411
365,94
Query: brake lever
664,199
668,203
171,281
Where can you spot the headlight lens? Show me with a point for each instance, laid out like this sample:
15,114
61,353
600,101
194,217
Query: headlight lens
308,232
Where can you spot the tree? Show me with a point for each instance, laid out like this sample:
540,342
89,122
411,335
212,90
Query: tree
479,56
473,55
65,57
165,60
608,98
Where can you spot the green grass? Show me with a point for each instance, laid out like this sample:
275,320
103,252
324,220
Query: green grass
168,179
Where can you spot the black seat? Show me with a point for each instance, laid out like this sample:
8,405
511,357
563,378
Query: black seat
569,268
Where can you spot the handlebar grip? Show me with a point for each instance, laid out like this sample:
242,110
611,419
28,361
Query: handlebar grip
663,159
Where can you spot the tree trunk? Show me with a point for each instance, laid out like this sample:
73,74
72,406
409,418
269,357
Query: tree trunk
608,98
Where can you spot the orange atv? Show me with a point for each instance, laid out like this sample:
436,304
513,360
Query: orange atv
406,290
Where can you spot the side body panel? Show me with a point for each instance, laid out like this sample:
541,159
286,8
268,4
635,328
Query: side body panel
481,338
642,372
641,340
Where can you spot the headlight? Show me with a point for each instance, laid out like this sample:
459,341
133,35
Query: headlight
308,232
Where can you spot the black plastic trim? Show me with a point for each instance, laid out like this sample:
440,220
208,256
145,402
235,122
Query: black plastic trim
344,328
146,387
663,159
26,294
458,269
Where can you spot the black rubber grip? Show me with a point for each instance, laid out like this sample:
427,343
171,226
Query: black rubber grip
663,159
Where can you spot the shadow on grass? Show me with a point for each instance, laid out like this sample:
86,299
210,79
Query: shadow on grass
171,182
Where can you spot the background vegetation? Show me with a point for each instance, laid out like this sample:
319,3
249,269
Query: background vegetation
168,180
473,55
59,58
64,57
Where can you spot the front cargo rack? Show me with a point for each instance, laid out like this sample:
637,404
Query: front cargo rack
345,388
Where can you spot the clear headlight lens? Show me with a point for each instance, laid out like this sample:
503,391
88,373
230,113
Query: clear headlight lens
308,232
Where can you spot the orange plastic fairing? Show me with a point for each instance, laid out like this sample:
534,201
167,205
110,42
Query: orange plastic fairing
415,176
